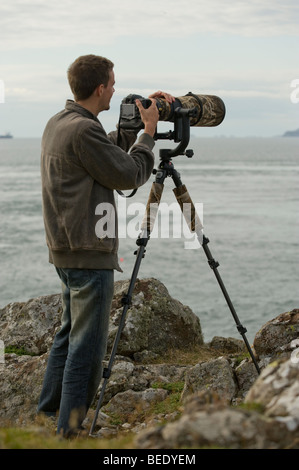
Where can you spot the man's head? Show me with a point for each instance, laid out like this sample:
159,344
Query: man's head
87,73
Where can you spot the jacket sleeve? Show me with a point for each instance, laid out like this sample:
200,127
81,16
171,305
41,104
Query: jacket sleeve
111,166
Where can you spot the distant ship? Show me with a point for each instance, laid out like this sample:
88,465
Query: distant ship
6,136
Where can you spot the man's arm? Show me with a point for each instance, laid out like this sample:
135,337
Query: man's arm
111,166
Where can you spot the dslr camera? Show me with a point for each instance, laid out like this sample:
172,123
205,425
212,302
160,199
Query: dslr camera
129,113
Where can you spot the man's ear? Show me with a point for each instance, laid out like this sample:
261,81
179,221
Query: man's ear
99,90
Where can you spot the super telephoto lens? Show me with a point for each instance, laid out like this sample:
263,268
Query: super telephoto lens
210,109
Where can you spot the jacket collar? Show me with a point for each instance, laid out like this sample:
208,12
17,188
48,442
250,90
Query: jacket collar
77,108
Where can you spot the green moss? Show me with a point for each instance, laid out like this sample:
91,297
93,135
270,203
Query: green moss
173,401
20,351
116,419
252,406
240,357
169,405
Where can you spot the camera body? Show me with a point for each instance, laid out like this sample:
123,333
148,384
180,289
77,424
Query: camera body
129,113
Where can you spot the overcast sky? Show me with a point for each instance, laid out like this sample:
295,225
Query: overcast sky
246,52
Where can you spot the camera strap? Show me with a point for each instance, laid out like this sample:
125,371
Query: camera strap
130,195
118,191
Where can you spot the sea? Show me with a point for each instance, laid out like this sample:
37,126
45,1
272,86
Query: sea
246,193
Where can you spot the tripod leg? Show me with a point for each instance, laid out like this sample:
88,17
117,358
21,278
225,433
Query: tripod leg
152,207
189,211
146,227
195,225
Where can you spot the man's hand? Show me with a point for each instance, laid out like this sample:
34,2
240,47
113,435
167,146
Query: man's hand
161,94
149,116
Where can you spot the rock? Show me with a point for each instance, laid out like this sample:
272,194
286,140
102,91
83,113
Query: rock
155,321
277,390
129,376
31,325
245,375
216,375
228,345
130,402
214,427
20,386
275,337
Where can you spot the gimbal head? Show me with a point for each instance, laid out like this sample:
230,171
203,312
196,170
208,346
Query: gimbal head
181,134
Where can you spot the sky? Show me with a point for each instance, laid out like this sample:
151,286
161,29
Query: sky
245,52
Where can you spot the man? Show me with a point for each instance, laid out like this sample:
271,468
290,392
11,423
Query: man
80,167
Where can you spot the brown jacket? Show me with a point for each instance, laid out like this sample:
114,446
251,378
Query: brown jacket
80,167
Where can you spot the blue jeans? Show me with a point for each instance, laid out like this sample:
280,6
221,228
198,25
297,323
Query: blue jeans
74,369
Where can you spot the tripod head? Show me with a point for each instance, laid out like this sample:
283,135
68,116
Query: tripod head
181,134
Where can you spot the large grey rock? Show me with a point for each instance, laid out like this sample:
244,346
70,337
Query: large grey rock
155,321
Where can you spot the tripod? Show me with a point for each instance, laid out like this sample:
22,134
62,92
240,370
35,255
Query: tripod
166,169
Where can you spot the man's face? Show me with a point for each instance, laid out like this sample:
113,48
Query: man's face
108,92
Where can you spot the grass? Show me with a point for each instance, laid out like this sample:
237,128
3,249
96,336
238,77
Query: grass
36,438
187,357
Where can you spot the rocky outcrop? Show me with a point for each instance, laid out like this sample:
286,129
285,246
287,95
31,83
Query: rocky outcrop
221,401
268,419
155,321
269,415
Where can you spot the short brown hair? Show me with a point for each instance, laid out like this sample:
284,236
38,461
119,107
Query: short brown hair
88,72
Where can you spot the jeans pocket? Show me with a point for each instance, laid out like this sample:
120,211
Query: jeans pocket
76,278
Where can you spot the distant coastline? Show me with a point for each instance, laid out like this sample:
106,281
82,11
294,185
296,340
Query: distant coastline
291,133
